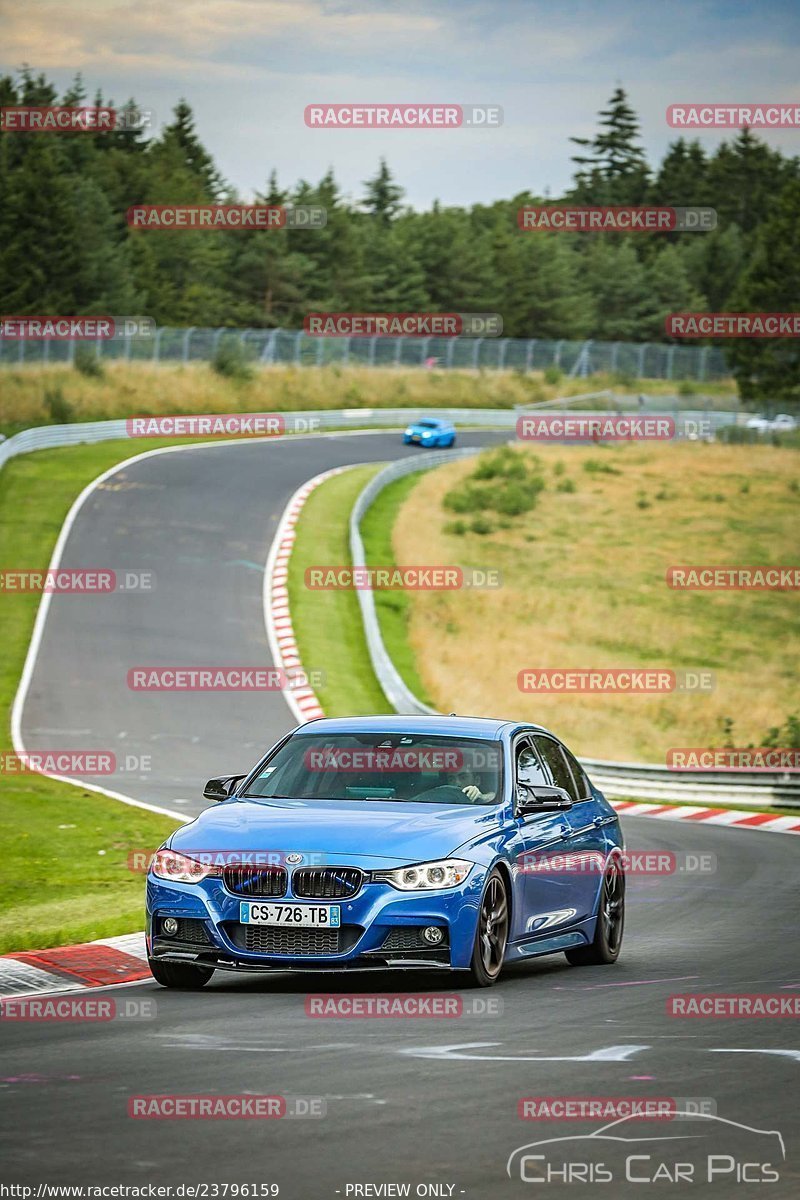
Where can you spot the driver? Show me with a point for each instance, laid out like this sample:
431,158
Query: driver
467,781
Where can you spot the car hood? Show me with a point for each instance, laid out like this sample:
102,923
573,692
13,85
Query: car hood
338,831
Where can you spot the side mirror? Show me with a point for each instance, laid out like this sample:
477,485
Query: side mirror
541,798
222,788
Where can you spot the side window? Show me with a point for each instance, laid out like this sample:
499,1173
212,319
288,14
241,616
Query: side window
579,775
528,766
552,755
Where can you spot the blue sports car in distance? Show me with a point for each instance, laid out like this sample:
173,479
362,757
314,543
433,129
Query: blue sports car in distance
457,843
430,431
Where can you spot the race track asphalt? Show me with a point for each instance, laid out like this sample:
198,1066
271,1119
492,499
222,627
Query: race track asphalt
417,1101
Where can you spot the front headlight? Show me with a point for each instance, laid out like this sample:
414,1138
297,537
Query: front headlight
427,877
409,431
177,868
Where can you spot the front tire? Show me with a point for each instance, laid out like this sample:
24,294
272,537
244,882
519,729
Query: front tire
185,976
610,926
491,935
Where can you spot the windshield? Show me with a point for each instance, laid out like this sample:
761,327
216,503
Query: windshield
380,766
428,424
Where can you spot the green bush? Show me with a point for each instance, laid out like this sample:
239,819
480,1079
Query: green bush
784,737
459,528
481,525
517,496
58,407
86,361
566,485
502,481
553,374
231,361
465,498
503,462
593,466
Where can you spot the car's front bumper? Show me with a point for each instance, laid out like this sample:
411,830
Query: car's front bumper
380,927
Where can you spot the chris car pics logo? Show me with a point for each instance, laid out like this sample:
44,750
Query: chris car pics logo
695,1147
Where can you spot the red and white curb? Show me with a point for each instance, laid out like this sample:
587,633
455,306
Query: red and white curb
299,695
71,968
764,822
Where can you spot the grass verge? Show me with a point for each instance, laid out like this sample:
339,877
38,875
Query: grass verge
393,608
327,624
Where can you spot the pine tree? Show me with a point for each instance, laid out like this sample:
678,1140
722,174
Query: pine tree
769,368
384,196
614,168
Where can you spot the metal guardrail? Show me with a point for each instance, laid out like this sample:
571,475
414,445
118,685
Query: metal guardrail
401,698
620,780
48,437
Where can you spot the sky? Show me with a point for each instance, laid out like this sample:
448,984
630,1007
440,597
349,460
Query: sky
248,68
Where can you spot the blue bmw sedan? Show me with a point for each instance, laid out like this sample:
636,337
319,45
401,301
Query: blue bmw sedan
456,843
430,432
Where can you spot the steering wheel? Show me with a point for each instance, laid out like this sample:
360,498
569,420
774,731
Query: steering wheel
445,793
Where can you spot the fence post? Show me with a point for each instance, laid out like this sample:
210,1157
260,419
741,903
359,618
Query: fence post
268,353
614,356
187,337
372,342
557,353
476,352
297,338
157,344
501,361
702,362
529,354
346,351
451,349
397,351
670,361
640,367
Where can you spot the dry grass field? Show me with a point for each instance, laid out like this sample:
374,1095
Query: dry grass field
584,586
35,395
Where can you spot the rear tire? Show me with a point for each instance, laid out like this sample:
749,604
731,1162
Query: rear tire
491,935
184,976
610,926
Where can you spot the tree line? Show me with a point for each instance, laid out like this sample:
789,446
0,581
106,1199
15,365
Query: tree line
65,246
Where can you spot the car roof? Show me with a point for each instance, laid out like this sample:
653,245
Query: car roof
454,726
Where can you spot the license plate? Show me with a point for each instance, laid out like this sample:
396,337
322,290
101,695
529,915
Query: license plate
321,916
415,437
